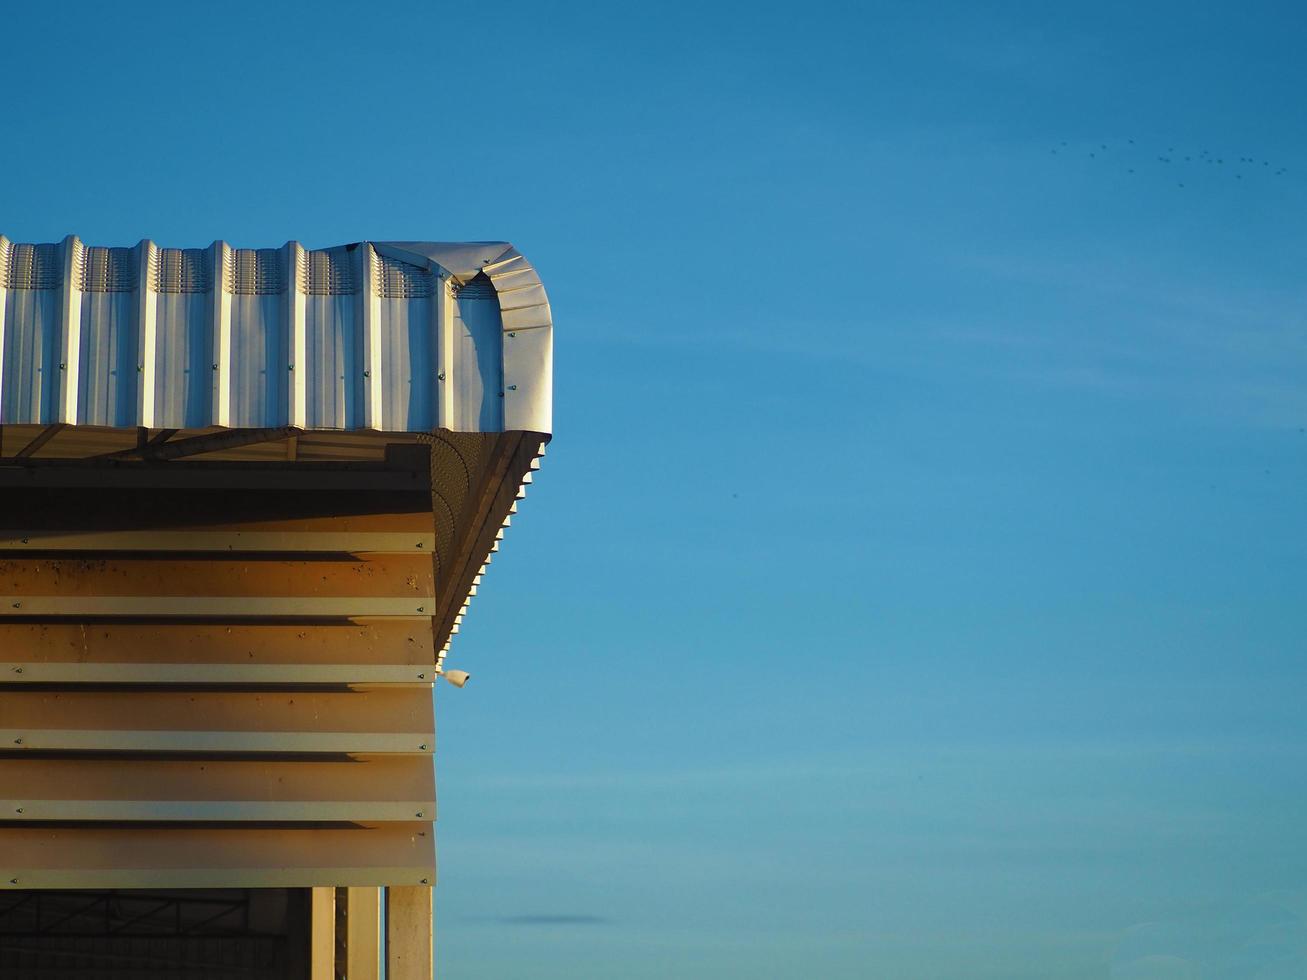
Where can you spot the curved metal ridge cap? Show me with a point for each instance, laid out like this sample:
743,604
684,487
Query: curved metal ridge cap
462,260
524,308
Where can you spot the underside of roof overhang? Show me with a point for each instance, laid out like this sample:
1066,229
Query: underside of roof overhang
474,479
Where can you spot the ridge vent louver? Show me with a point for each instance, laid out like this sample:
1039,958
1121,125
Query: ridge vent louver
33,267
256,272
479,287
327,273
181,270
399,280
108,270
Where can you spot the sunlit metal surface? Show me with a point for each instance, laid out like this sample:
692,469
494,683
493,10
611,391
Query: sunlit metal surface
381,336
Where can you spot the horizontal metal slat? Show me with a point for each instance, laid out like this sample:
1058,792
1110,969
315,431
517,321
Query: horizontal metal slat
219,719
212,811
33,856
384,641
363,789
214,607
205,476
164,741
255,577
291,542
26,673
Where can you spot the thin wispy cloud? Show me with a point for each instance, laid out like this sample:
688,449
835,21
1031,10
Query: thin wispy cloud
540,919
554,920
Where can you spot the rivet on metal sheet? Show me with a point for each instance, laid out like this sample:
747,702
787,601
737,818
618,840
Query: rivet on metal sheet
512,387
18,670
423,746
512,333
422,677
419,813
441,376
18,605
14,881
19,741
367,374
18,809
425,881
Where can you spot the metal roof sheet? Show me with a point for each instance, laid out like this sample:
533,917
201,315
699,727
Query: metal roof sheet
380,336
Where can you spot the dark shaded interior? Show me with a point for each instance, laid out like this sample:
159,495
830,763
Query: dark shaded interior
252,933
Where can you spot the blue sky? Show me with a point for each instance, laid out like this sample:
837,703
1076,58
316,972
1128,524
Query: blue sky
915,585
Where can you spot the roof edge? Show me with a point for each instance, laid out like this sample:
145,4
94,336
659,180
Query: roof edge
528,325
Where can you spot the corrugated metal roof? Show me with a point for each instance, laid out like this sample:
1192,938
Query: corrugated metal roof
380,336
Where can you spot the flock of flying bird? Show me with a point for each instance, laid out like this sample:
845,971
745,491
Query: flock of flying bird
1236,167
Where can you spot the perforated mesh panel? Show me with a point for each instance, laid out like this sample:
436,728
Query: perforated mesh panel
108,270
399,280
478,288
32,267
182,270
256,272
327,273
